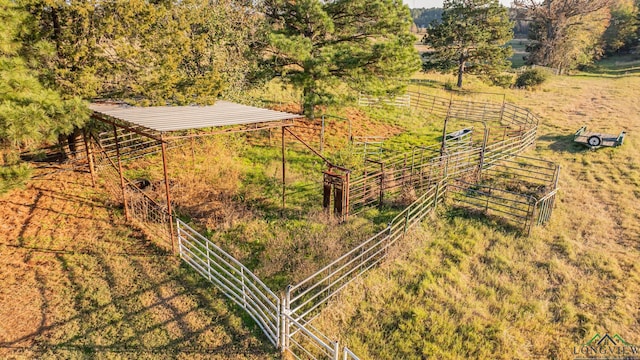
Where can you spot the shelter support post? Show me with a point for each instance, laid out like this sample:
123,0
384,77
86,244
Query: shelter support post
166,185
124,192
88,149
347,178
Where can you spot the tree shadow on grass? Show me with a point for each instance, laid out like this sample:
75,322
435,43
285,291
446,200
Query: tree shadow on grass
135,306
563,143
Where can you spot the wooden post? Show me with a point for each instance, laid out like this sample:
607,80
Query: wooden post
124,192
346,195
338,199
87,147
326,193
166,187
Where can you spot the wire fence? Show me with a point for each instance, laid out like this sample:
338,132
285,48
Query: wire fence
142,210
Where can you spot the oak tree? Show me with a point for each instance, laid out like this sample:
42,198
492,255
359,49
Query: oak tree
565,33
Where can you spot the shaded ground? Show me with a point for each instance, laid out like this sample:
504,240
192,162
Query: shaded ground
77,282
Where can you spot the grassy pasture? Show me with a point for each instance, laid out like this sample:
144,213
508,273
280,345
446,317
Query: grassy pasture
519,47
465,288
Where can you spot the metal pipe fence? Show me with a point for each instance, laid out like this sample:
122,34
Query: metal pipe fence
513,207
532,170
306,342
544,208
235,280
306,298
349,355
287,321
398,101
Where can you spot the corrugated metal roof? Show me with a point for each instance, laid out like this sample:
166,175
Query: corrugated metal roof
173,118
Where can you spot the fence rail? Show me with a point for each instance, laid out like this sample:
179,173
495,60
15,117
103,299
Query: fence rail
544,207
509,205
398,101
309,342
305,298
131,145
235,280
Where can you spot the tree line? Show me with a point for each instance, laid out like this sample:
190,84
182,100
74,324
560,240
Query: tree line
564,34
56,55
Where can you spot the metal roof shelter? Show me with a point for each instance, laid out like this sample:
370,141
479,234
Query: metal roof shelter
166,123
156,121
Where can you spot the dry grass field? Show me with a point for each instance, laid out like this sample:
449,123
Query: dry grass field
78,283
463,288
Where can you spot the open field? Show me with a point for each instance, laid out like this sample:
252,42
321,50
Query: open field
519,47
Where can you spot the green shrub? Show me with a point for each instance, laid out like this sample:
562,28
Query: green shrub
531,78
502,80
13,176
449,85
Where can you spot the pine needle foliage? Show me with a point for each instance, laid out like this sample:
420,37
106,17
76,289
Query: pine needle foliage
470,38
320,46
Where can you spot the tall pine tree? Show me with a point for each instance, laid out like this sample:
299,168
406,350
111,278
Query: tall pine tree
30,113
150,52
470,39
318,46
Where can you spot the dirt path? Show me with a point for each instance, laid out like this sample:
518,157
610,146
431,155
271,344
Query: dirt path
77,282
